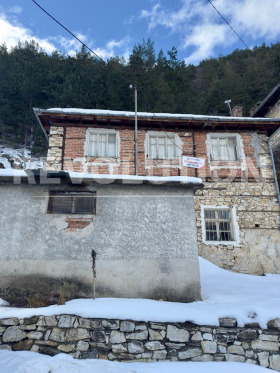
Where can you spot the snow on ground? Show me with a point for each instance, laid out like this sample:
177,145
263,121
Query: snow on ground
19,158
225,294
3,303
29,362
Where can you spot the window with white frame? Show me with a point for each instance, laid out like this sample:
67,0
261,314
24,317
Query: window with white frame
162,145
224,147
102,143
218,225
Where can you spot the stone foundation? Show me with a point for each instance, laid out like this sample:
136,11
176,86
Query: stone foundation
126,340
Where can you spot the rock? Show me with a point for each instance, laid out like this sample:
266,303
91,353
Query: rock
159,355
197,337
184,355
111,324
28,327
127,326
76,355
141,327
143,335
66,347
135,347
250,361
227,322
265,345
35,335
158,326
34,348
98,336
90,355
5,347
271,338
274,362
13,334
48,350
66,321
10,322
154,345
84,323
57,335
248,334
235,358
222,349
118,348
263,358
82,346
208,336
233,349
146,355
46,343
203,358
156,336
29,320
176,346
117,337
47,321
209,347
177,335
76,334
275,323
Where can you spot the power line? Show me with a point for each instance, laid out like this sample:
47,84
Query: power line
65,28
239,37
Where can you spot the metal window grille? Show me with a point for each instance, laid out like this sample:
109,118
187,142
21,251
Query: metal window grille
102,144
218,225
71,203
224,148
162,147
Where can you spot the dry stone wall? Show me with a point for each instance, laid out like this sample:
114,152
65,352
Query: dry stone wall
126,340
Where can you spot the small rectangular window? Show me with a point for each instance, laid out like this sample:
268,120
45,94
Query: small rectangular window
71,203
162,146
102,144
224,148
218,225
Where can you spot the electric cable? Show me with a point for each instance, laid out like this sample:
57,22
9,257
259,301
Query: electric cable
239,37
65,28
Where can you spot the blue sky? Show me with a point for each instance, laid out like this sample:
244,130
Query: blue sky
113,27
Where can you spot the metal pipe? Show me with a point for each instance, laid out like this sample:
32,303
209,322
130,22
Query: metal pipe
135,131
273,165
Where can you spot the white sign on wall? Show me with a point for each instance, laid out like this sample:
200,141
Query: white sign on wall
193,162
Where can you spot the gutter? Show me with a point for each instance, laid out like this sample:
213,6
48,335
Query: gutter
273,165
36,112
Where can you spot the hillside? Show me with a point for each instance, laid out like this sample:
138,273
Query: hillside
31,78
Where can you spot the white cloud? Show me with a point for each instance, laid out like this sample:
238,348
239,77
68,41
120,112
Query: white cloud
15,9
13,32
200,26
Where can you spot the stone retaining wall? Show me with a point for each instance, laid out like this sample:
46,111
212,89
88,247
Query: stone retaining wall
124,340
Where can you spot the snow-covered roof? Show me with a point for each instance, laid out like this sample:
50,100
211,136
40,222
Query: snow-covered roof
131,114
126,179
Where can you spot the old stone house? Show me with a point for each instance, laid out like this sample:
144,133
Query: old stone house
146,229
237,214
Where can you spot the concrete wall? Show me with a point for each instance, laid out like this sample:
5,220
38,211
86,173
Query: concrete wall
144,237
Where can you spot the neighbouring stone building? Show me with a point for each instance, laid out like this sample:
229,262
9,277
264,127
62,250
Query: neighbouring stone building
237,214
270,108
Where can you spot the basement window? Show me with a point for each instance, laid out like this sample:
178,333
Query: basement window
72,203
224,147
102,143
162,145
218,225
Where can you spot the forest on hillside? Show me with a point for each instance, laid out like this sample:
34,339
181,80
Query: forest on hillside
29,77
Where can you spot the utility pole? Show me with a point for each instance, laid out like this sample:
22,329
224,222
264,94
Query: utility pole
135,130
135,127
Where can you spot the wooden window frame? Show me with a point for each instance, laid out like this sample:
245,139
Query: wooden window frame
216,222
171,136
73,196
225,136
105,132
